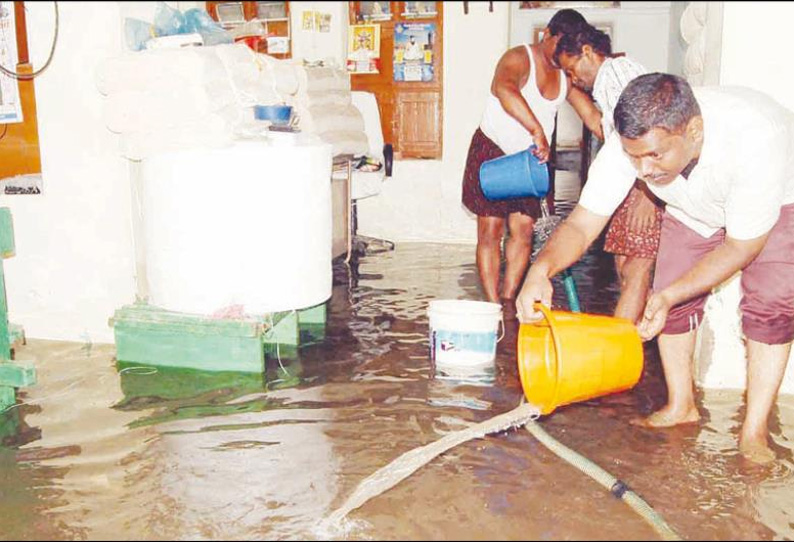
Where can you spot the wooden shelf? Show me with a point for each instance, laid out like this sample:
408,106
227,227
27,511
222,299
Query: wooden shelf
276,26
411,111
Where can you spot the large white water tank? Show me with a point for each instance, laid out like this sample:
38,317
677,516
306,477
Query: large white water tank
245,225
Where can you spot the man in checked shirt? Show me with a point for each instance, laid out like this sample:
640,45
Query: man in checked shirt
633,234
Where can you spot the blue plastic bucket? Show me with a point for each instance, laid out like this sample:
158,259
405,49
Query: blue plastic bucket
277,114
463,333
516,175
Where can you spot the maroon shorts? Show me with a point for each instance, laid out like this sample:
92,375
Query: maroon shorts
622,239
481,150
767,304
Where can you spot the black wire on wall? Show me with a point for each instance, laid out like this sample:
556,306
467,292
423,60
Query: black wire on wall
26,76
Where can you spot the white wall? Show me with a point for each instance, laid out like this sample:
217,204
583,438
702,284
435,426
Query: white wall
315,45
722,361
73,263
421,202
744,61
677,45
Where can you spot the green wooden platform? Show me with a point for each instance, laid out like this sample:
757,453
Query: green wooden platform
150,335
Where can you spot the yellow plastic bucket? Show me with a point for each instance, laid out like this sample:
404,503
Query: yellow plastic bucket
569,357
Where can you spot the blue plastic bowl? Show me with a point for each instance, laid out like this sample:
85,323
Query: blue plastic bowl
516,175
277,114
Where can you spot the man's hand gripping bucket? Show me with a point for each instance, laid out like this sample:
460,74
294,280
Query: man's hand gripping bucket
567,357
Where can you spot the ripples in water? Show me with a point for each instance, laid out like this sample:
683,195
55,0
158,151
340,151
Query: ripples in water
107,452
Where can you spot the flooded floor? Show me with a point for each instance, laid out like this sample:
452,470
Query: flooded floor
104,452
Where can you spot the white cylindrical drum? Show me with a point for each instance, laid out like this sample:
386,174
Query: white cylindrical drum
245,225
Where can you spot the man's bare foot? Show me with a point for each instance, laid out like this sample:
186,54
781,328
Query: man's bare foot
667,418
756,450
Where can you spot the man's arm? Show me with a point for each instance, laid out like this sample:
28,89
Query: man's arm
714,269
586,109
510,76
610,178
568,243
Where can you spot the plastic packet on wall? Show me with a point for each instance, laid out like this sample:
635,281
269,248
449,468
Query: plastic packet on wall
169,21
137,33
198,20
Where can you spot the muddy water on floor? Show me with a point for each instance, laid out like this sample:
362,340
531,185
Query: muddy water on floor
103,452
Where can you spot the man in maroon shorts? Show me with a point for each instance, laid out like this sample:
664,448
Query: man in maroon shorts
722,159
526,91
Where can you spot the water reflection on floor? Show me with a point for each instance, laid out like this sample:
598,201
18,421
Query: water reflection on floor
103,452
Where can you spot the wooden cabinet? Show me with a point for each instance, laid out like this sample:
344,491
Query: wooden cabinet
411,110
19,142
273,16
418,123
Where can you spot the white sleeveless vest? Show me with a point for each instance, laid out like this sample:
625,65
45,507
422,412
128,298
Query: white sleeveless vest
506,131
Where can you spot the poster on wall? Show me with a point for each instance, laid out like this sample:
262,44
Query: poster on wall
413,51
363,46
323,22
307,20
10,106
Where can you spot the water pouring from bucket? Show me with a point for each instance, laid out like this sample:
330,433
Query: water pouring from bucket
544,227
521,175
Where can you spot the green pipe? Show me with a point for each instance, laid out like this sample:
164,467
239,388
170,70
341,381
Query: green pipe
618,488
570,291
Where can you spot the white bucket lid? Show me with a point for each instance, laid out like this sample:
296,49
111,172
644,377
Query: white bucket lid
464,306
464,315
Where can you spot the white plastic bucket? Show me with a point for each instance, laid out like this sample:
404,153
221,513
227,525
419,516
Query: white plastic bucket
464,333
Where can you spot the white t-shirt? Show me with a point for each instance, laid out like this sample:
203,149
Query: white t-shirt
745,172
612,77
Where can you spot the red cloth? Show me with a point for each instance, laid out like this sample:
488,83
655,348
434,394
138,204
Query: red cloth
622,239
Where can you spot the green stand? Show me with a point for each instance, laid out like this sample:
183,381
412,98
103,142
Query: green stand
150,335
312,322
316,315
8,397
12,375
295,328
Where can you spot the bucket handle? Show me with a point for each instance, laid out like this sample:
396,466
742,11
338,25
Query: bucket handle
557,347
502,324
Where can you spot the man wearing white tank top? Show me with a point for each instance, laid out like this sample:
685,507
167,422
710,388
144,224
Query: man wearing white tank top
526,91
